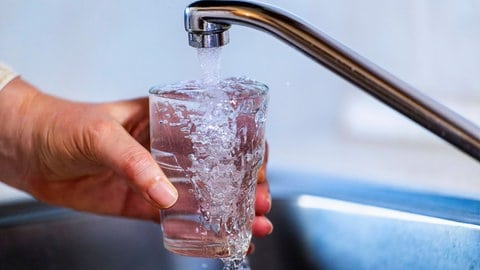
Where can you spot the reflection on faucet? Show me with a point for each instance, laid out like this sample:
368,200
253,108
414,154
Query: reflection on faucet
207,24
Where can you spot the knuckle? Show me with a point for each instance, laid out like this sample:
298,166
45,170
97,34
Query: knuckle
97,133
101,128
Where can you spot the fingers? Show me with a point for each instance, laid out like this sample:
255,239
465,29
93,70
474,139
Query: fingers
133,115
128,112
261,226
263,200
128,158
132,159
262,173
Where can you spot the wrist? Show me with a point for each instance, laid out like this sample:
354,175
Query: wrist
15,130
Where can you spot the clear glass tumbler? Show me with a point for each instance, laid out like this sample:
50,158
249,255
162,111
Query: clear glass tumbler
209,140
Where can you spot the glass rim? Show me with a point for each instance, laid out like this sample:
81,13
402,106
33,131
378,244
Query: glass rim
197,86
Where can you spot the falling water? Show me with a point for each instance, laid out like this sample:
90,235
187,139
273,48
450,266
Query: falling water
209,59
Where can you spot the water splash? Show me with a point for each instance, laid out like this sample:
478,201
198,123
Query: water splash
218,144
236,264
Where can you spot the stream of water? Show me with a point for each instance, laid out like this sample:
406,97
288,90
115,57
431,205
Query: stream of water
210,59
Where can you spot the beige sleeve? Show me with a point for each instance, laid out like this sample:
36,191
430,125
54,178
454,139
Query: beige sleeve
6,75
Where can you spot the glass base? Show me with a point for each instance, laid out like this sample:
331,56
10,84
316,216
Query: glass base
196,248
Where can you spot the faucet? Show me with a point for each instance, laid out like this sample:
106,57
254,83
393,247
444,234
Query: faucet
207,24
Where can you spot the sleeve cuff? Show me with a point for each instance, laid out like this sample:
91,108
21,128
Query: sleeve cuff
6,75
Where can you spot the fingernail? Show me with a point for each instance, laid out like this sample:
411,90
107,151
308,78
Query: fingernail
271,226
261,176
268,198
163,193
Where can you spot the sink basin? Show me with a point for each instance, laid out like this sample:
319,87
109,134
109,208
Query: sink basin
321,222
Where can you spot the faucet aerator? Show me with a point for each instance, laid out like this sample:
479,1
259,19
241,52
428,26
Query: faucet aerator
208,40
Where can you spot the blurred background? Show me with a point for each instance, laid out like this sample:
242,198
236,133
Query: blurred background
109,50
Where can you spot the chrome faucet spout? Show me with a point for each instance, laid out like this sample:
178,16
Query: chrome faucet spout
207,23
203,33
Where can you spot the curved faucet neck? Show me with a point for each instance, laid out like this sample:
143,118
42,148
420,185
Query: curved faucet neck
207,23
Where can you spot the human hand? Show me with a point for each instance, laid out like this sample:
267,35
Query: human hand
89,157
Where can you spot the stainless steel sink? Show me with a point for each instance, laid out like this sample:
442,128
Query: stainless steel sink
321,222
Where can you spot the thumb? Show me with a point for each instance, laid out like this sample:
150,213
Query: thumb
128,158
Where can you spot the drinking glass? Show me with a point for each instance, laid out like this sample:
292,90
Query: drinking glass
209,141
